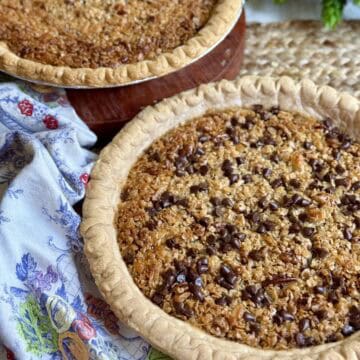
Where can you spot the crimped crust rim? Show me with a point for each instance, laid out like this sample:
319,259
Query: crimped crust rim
225,15
175,337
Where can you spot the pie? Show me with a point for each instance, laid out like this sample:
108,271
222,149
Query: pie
102,43
224,223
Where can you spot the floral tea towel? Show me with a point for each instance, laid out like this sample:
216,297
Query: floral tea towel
49,305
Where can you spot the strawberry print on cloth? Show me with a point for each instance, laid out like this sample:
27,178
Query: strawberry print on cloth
49,305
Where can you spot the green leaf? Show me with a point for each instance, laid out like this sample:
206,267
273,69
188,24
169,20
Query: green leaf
356,2
332,12
157,355
35,328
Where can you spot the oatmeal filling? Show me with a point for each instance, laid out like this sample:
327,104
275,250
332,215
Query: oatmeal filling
95,33
246,223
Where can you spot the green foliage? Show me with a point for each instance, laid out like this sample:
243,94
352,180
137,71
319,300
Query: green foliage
332,11
157,355
35,328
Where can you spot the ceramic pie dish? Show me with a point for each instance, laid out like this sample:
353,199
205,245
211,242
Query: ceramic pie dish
223,223
109,43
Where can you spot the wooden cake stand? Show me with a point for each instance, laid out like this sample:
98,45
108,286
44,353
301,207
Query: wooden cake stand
107,110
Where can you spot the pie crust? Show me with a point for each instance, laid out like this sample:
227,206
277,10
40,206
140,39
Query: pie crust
175,337
224,16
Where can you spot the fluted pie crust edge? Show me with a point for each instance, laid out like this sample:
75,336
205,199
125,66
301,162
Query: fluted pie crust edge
223,19
175,337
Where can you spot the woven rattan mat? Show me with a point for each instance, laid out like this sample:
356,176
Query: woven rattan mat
304,49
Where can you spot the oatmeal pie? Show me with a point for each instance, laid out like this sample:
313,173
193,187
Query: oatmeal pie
224,223
103,43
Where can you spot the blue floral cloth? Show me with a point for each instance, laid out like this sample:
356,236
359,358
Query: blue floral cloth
49,305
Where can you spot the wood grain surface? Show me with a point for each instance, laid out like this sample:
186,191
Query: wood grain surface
107,110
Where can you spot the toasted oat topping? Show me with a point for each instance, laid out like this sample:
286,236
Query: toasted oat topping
246,223
96,33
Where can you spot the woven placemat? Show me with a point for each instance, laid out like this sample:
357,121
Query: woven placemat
304,49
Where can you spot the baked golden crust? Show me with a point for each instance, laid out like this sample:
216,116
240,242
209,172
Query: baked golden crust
247,224
173,336
104,43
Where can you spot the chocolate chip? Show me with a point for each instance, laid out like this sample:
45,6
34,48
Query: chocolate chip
264,115
262,202
355,186
307,145
275,158
342,182
129,258
191,253
357,222
266,172
303,217
316,165
308,231
199,188
224,283
275,110
211,250
157,299
169,278
257,255
321,314
223,300
282,316
247,179
217,211
295,183
277,183
181,278
303,202
197,292
304,324
215,201
231,228
227,202
320,253
303,341
240,160
347,330
225,270
203,170
249,317
319,289
294,228
257,107
192,275
204,221
183,309
347,233
269,225
255,327
183,202
339,169
261,229
346,144
203,138
202,265
226,165
333,297
234,178
273,206
254,217
171,243
234,121
151,225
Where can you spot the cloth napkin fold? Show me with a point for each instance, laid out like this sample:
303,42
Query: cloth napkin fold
49,305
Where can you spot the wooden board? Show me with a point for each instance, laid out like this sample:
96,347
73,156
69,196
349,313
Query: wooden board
107,110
